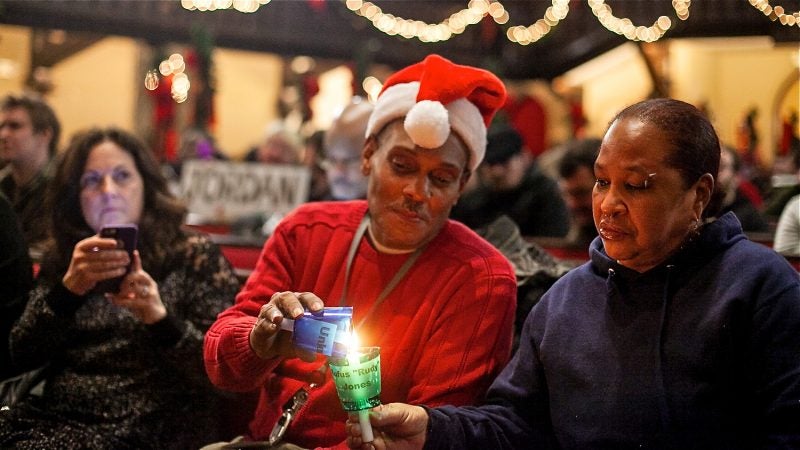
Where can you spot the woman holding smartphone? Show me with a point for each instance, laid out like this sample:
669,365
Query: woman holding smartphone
125,366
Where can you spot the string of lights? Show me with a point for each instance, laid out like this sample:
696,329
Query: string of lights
427,32
458,22
525,35
627,28
777,13
476,10
245,6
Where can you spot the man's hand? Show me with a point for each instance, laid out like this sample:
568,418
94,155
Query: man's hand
266,338
396,426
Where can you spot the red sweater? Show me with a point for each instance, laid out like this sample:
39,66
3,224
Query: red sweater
444,331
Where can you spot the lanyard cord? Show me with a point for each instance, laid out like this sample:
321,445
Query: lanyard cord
299,399
351,254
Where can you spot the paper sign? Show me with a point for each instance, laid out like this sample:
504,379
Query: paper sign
223,191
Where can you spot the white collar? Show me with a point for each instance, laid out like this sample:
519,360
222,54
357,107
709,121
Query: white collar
382,248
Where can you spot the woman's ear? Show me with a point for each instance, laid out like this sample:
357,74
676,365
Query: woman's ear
704,188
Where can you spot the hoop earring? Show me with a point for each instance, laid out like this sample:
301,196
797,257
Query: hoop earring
693,233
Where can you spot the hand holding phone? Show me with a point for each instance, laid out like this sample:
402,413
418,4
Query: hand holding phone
126,234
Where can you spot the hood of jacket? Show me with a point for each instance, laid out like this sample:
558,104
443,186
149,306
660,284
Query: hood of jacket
714,237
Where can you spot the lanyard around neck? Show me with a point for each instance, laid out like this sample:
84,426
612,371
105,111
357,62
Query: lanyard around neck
299,399
351,254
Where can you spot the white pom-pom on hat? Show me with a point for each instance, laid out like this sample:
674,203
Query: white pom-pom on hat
427,124
463,117
470,97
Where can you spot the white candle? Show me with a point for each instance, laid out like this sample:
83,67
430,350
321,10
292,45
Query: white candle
366,427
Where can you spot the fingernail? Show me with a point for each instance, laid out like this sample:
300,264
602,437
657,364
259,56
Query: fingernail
296,312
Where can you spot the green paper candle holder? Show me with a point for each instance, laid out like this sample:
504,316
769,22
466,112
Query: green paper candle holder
358,379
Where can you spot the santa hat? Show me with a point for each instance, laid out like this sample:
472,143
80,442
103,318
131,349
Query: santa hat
437,96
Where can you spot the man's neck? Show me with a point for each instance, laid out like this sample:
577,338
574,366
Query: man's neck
382,248
25,173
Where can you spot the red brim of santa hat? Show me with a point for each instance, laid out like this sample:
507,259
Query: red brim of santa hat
436,96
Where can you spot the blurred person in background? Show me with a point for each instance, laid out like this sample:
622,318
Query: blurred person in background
343,144
785,184
576,181
125,368
313,158
279,146
734,199
510,183
29,133
195,144
16,278
787,232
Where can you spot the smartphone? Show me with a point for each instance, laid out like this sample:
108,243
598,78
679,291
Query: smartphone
125,234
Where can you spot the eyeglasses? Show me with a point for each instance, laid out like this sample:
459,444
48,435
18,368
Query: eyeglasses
329,164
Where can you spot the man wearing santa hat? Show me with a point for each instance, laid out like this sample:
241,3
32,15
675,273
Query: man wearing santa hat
437,299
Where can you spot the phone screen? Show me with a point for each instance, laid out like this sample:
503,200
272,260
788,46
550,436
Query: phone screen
125,234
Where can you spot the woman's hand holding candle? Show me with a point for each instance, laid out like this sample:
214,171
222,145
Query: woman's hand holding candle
397,426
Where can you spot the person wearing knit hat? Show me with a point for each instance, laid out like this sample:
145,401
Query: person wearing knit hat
510,183
342,147
435,297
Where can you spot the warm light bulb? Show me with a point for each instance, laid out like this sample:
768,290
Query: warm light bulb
151,80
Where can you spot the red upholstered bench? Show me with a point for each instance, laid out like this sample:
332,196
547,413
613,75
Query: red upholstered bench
794,261
242,252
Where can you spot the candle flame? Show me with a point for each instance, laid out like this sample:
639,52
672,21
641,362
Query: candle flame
353,345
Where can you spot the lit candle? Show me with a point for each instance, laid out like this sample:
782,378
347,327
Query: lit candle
358,382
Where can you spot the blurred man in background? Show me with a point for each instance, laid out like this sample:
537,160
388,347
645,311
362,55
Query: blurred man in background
576,180
343,143
510,183
730,180
29,132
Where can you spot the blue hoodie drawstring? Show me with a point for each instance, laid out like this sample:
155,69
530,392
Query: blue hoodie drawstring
610,286
659,353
